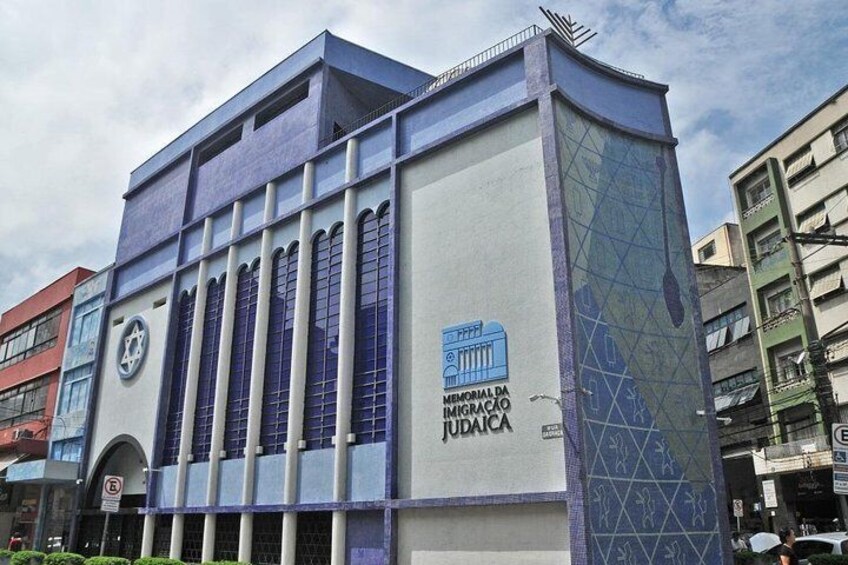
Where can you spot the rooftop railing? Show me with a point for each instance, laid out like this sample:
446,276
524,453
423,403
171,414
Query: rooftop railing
436,82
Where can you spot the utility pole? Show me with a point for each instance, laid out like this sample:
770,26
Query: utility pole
815,347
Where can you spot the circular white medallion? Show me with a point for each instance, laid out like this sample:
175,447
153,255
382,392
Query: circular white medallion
132,347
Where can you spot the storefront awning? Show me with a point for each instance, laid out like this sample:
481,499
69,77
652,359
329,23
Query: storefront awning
737,397
9,458
43,471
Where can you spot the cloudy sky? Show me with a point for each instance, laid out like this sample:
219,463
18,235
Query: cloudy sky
89,90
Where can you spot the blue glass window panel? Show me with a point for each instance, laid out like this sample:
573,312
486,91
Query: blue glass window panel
275,401
67,450
475,97
330,172
147,269
222,225
289,193
205,406
76,385
319,417
241,359
253,212
179,373
375,149
86,321
192,243
368,416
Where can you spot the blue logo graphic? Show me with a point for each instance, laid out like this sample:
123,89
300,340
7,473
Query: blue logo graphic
473,353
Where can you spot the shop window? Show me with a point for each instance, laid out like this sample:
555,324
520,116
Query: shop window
205,406
368,418
319,414
275,396
179,372
241,359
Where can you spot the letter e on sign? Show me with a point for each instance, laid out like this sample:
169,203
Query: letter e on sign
840,436
113,487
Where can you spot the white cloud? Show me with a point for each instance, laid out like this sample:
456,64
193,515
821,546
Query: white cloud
90,90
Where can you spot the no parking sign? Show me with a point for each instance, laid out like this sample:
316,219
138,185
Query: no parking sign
840,458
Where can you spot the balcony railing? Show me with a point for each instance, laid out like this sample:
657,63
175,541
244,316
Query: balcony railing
436,82
768,261
797,447
758,206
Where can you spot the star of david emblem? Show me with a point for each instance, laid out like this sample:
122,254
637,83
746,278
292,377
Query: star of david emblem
132,347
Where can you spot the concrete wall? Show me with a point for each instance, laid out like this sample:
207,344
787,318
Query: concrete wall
128,407
474,217
495,535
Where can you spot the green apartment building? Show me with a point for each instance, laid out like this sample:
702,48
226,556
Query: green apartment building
798,184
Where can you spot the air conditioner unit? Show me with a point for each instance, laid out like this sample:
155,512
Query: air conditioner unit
22,433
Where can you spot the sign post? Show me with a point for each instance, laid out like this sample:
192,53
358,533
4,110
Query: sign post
739,512
110,502
840,458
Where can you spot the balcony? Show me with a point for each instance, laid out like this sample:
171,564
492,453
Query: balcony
769,261
758,206
799,455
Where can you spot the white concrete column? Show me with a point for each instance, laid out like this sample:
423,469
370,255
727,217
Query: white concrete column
175,552
222,378
337,553
207,553
300,341
147,535
289,545
245,538
347,335
190,400
260,343
351,159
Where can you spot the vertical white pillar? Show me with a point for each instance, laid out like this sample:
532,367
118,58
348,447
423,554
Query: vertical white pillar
177,524
190,400
222,379
245,538
347,334
260,343
147,535
207,553
300,340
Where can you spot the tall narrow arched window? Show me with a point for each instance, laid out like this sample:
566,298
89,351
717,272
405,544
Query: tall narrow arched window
205,406
179,372
275,396
319,409
241,359
368,415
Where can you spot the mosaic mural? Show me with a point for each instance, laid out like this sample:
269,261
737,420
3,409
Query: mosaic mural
647,458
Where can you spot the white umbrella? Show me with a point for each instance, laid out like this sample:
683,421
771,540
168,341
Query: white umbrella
763,541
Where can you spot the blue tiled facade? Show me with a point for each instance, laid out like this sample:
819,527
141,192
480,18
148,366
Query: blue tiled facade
641,468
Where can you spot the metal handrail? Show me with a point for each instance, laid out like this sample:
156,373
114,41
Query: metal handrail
436,82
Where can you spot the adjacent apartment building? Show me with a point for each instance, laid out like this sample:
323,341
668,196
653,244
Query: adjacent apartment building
798,184
360,314
739,385
32,342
